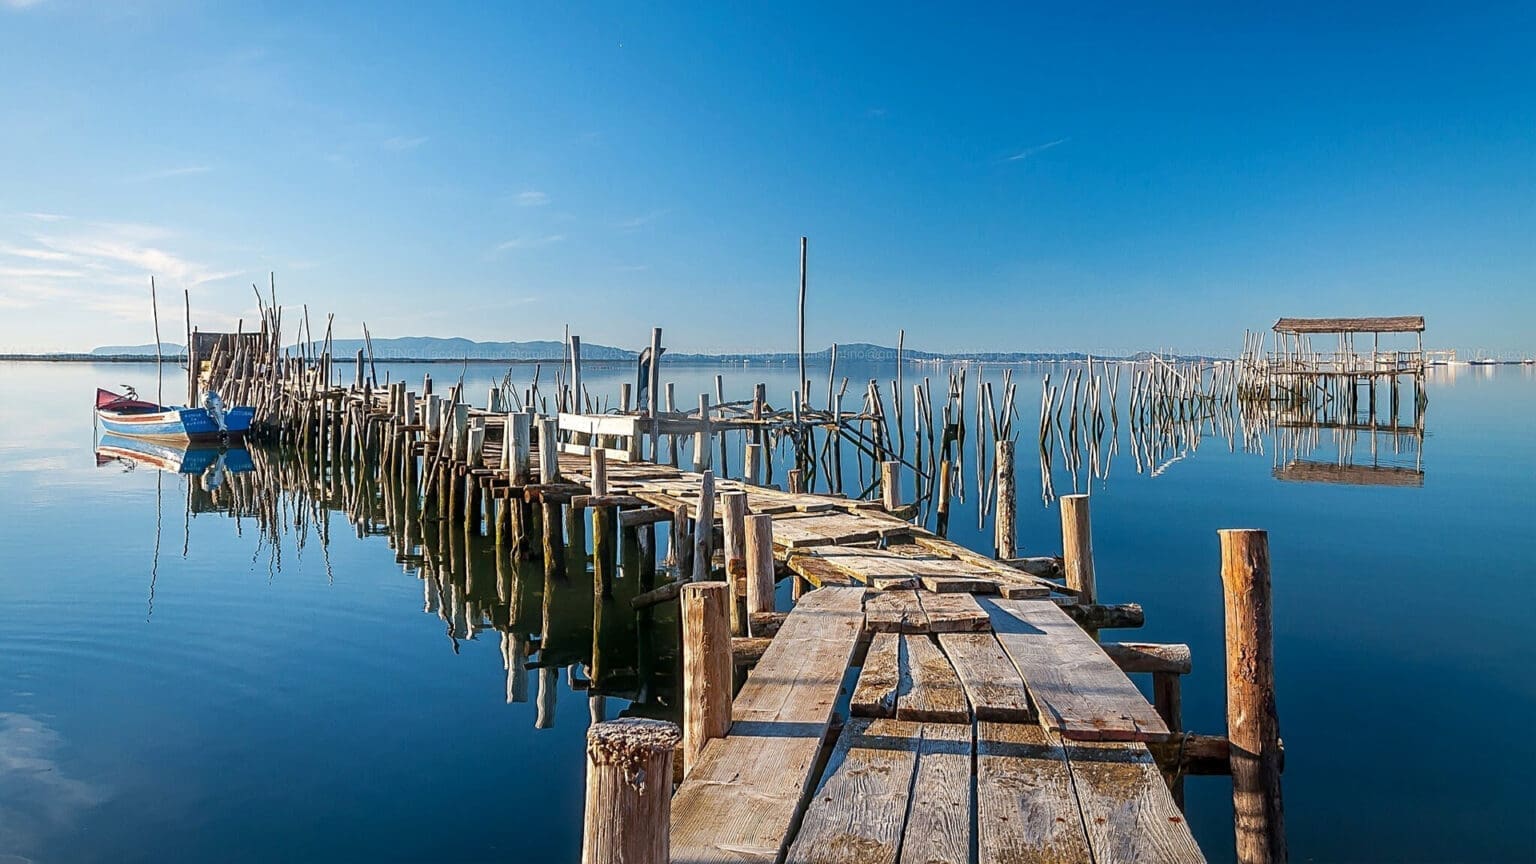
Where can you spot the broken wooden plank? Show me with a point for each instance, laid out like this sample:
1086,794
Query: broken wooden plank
939,820
748,788
992,685
1075,688
880,679
1126,807
1026,810
953,613
935,694
816,570
858,813
895,612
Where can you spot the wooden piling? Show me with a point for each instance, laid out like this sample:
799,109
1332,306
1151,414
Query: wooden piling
1077,550
706,667
704,528
629,792
752,466
760,565
1253,724
605,517
733,520
549,451
890,485
1005,528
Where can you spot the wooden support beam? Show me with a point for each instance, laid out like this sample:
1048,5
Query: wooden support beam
706,667
1253,724
628,812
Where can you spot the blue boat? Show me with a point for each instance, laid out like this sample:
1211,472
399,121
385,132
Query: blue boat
127,415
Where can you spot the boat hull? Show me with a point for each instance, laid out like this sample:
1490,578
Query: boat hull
179,424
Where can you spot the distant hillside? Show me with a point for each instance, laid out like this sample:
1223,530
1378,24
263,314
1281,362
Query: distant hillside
433,348
145,350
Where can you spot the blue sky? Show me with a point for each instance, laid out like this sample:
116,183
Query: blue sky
1014,178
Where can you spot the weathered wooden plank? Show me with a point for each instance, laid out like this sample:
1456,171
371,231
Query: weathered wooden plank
858,813
880,680
740,800
939,820
953,613
1026,810
816,570
959,585
894,583
935,694
1075,688
1126,807
894,612
992,685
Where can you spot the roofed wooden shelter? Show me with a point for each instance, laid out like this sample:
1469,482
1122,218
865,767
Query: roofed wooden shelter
1394,324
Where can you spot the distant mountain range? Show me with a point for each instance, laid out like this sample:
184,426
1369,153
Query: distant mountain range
430,348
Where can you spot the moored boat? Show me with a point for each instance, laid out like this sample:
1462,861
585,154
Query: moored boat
128,415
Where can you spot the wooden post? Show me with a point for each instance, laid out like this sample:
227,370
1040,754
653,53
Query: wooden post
794,480
1077,550
890,485
604,518
629,792
1253,724
549,450
519,441
544,701
652,396
759,565
578,405
706,667
701,437
1168,700
733,519
1006,526
681,543
800,384
941,525
752,468
704,528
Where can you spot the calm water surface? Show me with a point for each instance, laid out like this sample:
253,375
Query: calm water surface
201,693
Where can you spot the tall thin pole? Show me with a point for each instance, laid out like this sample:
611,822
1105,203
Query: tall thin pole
804,390
159,378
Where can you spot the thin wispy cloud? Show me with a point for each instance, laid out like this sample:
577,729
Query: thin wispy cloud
18,4
532,198
1037,149
96,267
45,217
631,268
531,241
641,221
168,173
399,143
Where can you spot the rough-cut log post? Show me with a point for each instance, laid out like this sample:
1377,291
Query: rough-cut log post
1169,702
605,517
794,481
1006,526
941,526
681,543
752,467
759,565
706,667
704,528
1253,724
519,438
549,450
733,518
890,485
1077,550
629,792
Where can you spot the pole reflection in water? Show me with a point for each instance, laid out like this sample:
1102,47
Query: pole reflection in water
545,611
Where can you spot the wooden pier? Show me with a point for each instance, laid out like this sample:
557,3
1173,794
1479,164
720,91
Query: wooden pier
919,701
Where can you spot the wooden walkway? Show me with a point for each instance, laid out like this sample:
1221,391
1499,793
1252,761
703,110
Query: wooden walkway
979,708
920,703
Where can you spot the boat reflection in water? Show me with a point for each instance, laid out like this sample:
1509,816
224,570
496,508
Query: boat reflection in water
212,460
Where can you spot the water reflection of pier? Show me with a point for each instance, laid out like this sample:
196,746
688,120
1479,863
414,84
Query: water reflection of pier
549,621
